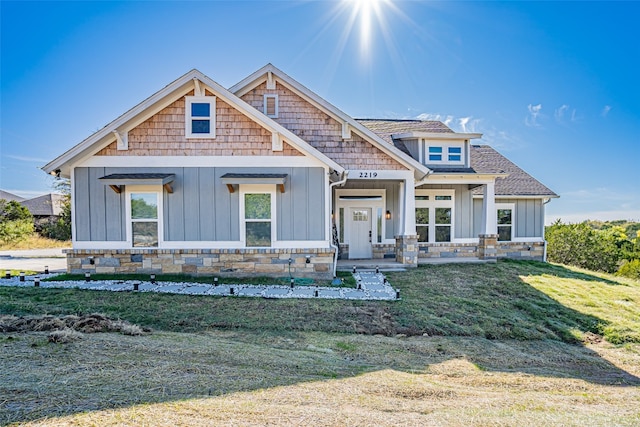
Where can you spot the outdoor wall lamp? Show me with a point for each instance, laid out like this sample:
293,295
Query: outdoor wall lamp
388,215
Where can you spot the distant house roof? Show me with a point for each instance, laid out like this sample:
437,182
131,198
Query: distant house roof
484,159
47,205
9,197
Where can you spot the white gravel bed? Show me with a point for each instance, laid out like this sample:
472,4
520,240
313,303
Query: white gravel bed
381,291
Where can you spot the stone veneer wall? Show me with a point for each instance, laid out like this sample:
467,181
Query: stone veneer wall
380,251
407,250
514,250
223,262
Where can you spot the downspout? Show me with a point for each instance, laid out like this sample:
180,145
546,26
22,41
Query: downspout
335,248
544,252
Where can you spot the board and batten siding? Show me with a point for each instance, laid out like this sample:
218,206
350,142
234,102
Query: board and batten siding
529,217
201,208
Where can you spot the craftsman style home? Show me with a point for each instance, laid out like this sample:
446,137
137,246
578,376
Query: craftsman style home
266,177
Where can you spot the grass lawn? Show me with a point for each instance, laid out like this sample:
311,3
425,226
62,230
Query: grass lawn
510,343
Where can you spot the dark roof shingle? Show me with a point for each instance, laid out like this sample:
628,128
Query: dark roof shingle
484,159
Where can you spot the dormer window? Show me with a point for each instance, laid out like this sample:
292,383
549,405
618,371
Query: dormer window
271,106
444,153
200,120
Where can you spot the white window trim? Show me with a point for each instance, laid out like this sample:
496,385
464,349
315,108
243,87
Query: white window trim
275,97
424,149
258,189
152,189
432,204
511,206
373,204
211,100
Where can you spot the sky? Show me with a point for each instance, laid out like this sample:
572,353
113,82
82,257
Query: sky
553,86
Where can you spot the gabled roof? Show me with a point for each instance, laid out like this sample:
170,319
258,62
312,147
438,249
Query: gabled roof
271,73
484,159
47,205
10,197
163,98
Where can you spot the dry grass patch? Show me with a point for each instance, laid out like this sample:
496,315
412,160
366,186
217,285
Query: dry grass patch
87,324
315,379
35,241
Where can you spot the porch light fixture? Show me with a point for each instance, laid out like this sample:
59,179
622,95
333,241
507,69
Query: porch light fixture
388,215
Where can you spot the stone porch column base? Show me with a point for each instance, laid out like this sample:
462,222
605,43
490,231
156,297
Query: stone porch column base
488,246
407,250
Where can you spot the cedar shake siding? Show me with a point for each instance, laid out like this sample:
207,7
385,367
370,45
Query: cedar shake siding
322,131
164,135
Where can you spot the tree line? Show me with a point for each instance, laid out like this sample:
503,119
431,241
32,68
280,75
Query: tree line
608,246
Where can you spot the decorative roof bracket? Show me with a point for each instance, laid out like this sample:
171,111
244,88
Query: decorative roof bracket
122,140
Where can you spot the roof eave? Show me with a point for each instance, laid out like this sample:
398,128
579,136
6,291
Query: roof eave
436,135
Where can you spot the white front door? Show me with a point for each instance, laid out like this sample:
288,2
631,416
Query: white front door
360,233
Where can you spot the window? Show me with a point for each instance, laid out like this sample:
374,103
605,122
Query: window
422,224
257,218
200,117
434,215
444,153
435,154
443,224
271,106
505,224
455,154
144,219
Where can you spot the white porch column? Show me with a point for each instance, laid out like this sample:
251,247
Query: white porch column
410,208
489,212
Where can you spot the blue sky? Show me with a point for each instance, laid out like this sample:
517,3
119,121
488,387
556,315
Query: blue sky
552,85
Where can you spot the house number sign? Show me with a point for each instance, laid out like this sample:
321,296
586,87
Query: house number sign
368,174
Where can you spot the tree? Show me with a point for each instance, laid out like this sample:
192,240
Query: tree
60,229
583,246
16,222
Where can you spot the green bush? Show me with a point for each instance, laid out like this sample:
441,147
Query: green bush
582,246
630,269
60,229
16,222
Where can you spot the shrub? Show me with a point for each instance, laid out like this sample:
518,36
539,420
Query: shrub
16,222
582,246
630,269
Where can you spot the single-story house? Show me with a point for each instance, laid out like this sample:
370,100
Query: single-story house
45,209
267,177
9,197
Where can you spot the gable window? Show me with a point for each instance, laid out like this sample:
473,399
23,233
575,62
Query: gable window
505,222
434,215
435,154
455,154
144,218
200,117
257,215
271,106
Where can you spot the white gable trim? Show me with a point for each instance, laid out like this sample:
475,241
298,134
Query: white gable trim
193,80
348,123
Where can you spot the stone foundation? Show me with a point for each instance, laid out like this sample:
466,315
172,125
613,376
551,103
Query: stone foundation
407,250
488,246
448,250
222,262
379,250
521,250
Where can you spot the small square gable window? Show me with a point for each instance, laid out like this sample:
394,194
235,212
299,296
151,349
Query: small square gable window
271,106
200,117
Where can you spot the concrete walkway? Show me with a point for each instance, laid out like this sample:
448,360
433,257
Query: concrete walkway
370,286
33,260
